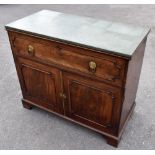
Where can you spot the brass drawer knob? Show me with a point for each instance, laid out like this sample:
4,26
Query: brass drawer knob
92,66
30,50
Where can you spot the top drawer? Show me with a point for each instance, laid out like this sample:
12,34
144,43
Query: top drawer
102,66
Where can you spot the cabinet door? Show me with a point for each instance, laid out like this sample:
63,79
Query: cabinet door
40,84
91,102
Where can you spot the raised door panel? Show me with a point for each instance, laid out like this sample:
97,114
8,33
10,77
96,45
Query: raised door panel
91,102
40,84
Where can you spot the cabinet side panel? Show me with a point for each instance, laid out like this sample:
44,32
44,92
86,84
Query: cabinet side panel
132,80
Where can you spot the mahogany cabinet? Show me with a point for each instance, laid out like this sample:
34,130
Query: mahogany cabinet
83,69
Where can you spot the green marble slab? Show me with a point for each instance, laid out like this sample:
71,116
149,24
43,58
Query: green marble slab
117,38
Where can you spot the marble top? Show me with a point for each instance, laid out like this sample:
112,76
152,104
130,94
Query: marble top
118,38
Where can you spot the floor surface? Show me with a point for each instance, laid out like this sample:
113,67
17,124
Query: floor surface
37,129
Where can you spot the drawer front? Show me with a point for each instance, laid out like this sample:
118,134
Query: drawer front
108,68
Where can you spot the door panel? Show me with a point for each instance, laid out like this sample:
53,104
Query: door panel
98,110
90,101
40,84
